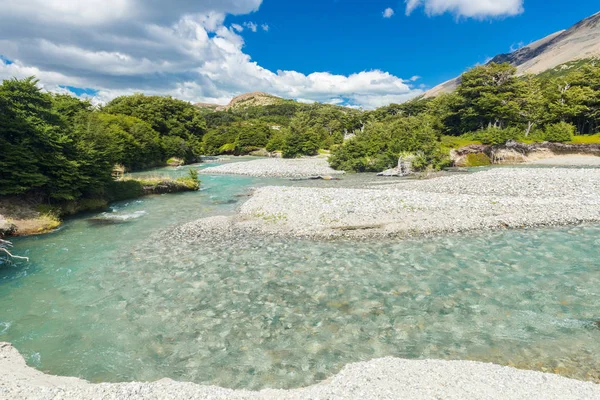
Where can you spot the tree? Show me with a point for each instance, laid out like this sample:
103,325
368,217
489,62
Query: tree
531,103
491,95
169,117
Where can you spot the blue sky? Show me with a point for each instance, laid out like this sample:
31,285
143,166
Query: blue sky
345,36
357,53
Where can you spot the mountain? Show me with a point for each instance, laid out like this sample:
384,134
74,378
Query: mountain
581,41
244,101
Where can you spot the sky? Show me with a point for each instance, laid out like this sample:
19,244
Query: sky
360,53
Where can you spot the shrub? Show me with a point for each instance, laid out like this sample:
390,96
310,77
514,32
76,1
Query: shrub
381,143
477,160
299,144
559,132
276,142
124,190
227,148
493,135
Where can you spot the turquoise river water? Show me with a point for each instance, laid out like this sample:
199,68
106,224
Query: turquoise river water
115,300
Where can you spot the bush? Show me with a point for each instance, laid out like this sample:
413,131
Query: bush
124,190
299,144
276,142
478,160
381,143
559,132
493,135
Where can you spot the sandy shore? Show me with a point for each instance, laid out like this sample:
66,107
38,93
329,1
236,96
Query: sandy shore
491,199
570,160
277,167
386,378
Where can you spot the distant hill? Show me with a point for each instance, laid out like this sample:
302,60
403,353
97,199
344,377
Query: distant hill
580,42
244,101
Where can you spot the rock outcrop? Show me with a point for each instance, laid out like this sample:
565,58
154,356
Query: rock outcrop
6,228
515,152
404,167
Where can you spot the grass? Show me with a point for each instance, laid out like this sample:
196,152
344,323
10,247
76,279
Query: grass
478,160
35,226
456,142
587,139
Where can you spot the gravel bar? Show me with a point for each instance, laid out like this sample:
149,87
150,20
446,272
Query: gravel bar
277,168
385,378
491,199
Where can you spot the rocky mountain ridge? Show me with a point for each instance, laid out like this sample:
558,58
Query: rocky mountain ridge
581,41
243,101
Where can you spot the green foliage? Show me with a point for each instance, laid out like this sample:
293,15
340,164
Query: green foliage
588,139
559,132
179,124
39,151
122,140
381,143
478,160
190,182
227,148
494,135
276,142
193,174
124,190
296,144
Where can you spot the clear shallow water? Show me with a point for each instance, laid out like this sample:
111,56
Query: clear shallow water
115,301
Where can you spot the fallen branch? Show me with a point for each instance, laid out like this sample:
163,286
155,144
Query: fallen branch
4,245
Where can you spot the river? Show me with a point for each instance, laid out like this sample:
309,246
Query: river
109,298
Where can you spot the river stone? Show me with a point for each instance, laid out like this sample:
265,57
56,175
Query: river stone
404,167
6,228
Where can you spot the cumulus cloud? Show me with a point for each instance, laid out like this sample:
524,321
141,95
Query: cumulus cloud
251,25
388,13
478,9
182,49
265,27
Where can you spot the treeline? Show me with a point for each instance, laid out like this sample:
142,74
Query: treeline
293,128
491,105
62,148
59,148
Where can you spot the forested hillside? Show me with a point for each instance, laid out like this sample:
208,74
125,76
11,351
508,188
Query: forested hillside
59,148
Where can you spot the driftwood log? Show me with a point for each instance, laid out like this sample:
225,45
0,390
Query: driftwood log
5,245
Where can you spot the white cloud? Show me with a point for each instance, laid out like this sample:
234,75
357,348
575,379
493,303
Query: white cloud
251,25
189,53
388,13
265,27
478,9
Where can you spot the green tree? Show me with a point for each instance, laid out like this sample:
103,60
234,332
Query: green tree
169,117
491,95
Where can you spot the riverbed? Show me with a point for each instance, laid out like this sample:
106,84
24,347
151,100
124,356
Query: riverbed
110,298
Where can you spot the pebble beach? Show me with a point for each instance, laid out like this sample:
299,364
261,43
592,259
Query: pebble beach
497,198
386,378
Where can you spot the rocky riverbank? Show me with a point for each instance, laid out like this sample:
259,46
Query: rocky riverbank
386,378
517,153
30,216
492,199
277,167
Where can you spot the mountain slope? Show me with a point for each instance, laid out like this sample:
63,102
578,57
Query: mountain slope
581,41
